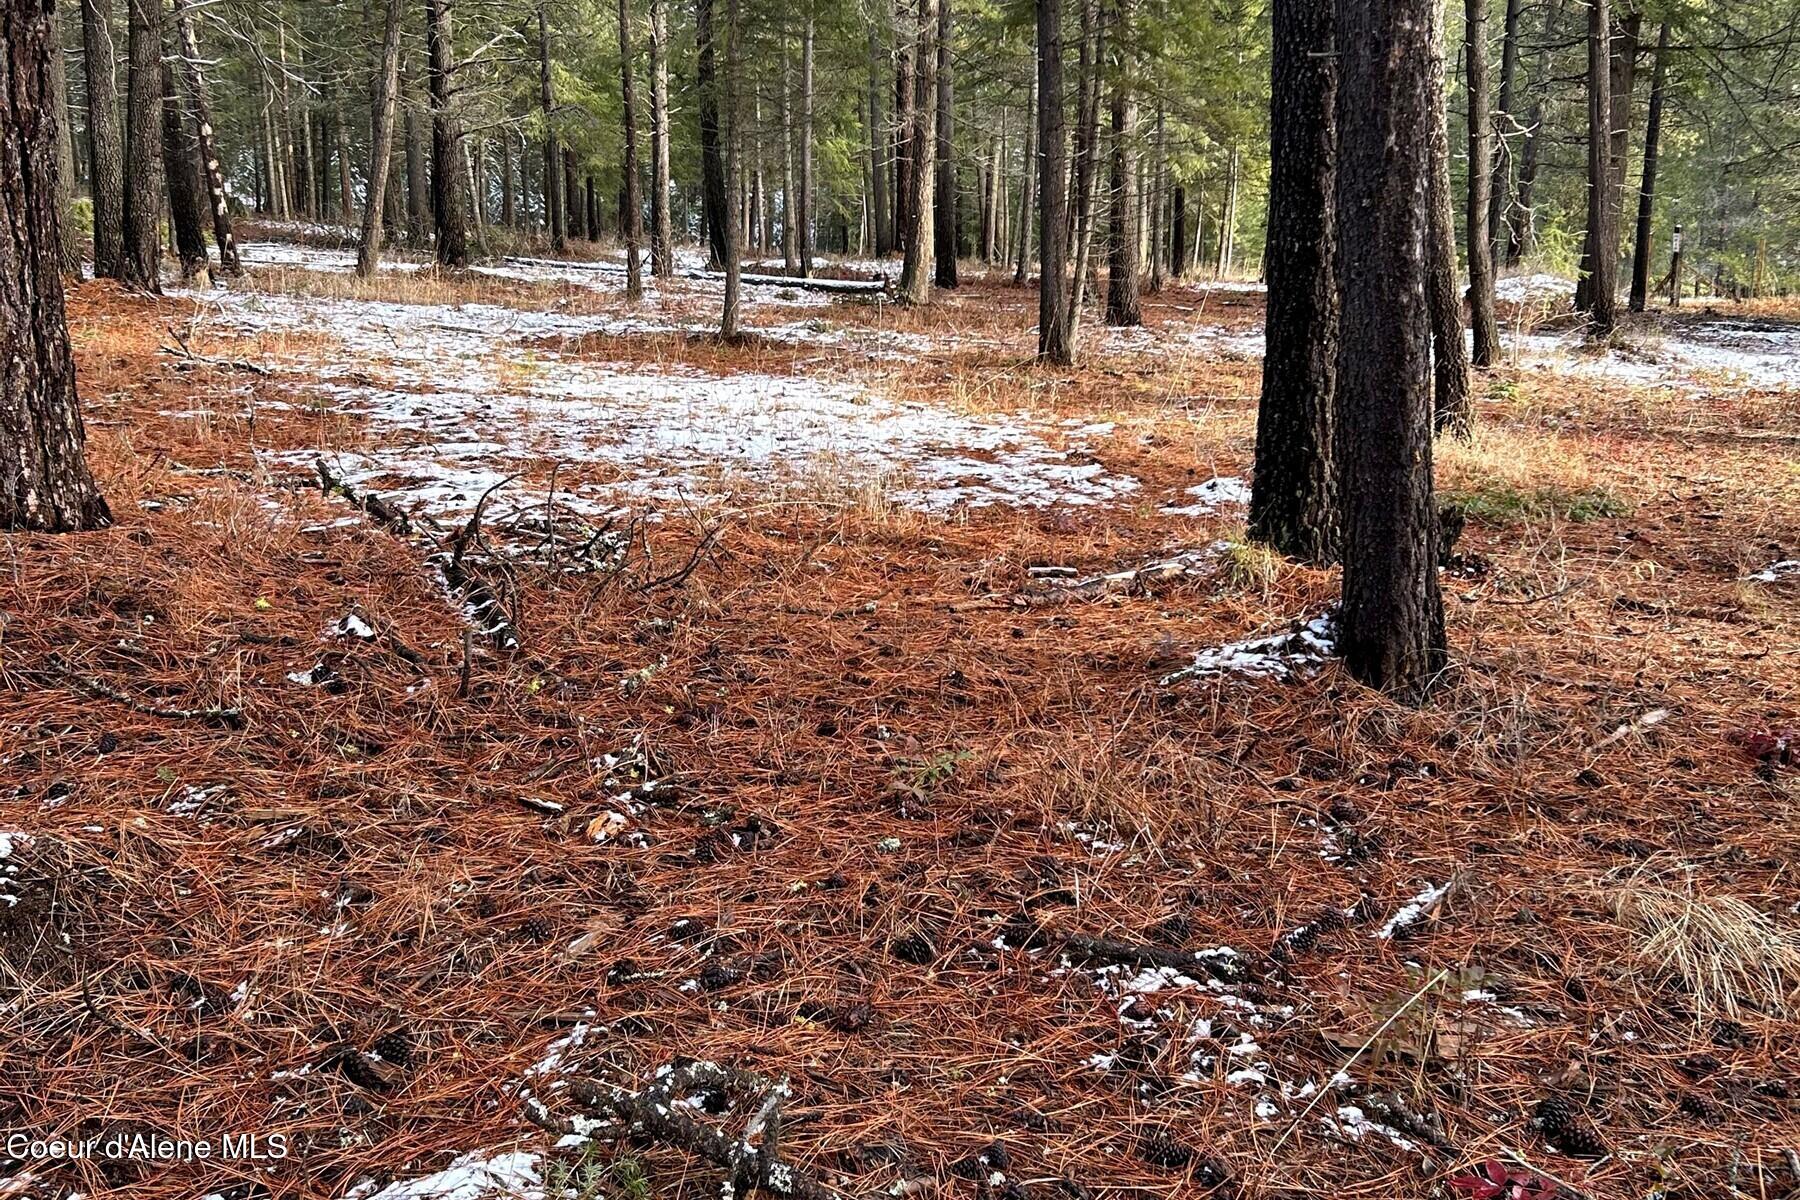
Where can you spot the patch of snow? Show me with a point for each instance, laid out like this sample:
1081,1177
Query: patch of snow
475,1176
352,625
1775,571
1277,656
1412,911
1208,496
1521,289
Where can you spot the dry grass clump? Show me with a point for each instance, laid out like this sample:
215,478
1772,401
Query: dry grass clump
1506,475
1724,952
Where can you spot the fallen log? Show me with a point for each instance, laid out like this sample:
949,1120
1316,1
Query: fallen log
846,287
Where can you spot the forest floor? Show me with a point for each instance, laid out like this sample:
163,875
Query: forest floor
809,705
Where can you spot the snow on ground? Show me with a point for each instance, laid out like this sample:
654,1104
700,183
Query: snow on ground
1775,572
1754,353
1208,496
1522,289
476,1176
462,406
1277,656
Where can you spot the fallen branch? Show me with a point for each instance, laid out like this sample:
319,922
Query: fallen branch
215,714
655,1114
189,358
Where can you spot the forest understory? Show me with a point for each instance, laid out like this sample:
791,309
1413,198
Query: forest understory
491,691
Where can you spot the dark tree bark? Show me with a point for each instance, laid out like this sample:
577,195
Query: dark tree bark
631,220
1123,306
662,253
340,141
1522,238
1602,211
945,221
446,139
921,238
1481,181
554,216
106,150
1087,139
1623,25
1055,343
1028,185
65,153
44,479
1293,498
883,215
574,219
905,33
381,142
1640,254
418,188
806,215
509,210
1449,353
713,193
1178,236
1500,185
211,172
731,226
181,170
1391,621
141,251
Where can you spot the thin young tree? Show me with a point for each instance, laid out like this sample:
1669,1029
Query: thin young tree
65,153
200,95
945,220
1480,249
1500,185
662,253
879,166
713,192
631,221
804,215
106,150
1640,252
1123,305
915,272
555,215
1391,620
1522,237
381,141
1056,343
45,483
1028,185
141,249
1450,354
1293,497
446,138
1601,261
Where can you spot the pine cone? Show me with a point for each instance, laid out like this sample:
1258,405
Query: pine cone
1160,1148
394,1046
1566,1130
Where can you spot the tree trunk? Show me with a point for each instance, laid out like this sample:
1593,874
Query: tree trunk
883,215
446,138
44,478
509,211
70,239
1159,229
554,215
1087,141
142,248
631,220
418,192
1500,183
340,137
381,142
730,225
714,196
1391,621
1602,209
1481,182
905,33
181,171
1055,344
106,151
790,211
574,223
1178,235
662,255
1122,304
1228,215
806,214
921,240
213,174
1028,185
1293,498
1640,254
946,222
1449,353
1522,239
